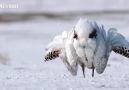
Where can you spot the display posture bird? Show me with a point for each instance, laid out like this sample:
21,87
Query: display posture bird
88,45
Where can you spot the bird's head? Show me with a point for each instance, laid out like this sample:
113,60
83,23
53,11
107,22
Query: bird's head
84,30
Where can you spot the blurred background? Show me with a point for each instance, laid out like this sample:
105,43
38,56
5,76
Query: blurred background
27,29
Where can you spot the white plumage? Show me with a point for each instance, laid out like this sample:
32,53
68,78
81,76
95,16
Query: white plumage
63,44
86,42
88,45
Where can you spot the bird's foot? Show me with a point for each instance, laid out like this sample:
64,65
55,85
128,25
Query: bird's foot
93,70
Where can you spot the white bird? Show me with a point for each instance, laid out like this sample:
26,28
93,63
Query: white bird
89,45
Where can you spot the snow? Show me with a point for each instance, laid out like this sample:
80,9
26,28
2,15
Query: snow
23,42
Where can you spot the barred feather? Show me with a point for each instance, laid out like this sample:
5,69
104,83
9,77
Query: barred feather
52,55
122,50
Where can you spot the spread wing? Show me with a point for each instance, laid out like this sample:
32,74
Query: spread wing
53,49
72,57
118,43
107,42
100,58
63,47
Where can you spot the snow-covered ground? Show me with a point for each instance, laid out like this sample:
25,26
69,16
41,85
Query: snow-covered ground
23,42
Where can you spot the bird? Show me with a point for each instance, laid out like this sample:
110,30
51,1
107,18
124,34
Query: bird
89,45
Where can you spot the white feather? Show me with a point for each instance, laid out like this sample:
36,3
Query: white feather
64,43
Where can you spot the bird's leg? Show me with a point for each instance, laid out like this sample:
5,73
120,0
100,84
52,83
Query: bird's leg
93,70
83,70
86,59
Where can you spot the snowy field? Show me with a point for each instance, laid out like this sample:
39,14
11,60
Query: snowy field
23,42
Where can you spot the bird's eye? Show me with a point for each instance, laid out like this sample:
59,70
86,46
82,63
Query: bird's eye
93,34
75,36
